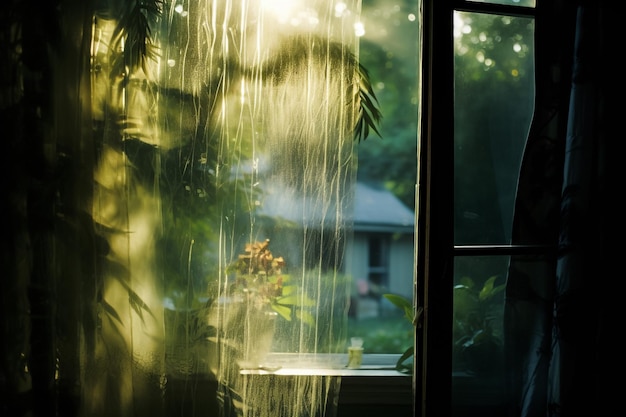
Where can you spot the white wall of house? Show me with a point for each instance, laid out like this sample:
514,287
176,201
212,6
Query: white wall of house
377,214
401,262
380,215
401,265
356,259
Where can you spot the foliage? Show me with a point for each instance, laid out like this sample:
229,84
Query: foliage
477,314
369,113
393,70
477,317
189,196
383,334
260,282
493,105
133,32
406,306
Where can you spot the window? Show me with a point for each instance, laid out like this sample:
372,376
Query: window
378,262
477,72
480,75
384,222
110,263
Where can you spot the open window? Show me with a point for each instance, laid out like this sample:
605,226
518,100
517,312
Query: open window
480,93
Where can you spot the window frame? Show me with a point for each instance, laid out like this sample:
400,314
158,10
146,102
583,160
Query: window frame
432,380
435,201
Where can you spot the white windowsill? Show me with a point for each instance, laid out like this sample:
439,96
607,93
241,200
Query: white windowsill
375,383
326,364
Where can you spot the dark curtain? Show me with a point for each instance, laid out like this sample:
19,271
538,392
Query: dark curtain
564,315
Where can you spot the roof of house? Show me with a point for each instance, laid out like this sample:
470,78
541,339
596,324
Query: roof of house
377,209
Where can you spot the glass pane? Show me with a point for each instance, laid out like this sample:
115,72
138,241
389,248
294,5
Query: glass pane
203,132
477,332
526,3
382,256
493,105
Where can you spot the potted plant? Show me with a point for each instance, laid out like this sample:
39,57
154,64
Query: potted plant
260,282
259,293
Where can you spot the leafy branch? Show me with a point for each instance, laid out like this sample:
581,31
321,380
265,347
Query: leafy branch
369,113
133,36
405,305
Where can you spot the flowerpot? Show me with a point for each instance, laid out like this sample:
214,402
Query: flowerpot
258,337
247,331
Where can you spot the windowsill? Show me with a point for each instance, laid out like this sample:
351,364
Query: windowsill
375,383
326,365
302,371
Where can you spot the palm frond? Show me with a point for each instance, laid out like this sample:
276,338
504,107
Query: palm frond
134,33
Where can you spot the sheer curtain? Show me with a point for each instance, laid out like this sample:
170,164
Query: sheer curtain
201,201
563,312
237,169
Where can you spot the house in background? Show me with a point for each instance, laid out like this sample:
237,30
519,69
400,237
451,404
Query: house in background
381,255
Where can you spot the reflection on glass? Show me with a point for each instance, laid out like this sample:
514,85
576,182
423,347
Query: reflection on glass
494,96
525,3
477,330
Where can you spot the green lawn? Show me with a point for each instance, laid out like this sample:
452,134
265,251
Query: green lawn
387,334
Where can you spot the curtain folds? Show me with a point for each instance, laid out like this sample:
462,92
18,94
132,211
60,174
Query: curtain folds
182,197
562,314
223,191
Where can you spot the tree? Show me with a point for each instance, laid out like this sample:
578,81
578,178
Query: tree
493,104
389,49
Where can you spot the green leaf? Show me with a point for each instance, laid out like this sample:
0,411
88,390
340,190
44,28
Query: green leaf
295,300
284,277
466,282
403,304
489,290
305,317
399,301
289,290
134,29
284,311
369,113
401,366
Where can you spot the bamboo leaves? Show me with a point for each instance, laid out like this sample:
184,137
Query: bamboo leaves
369,113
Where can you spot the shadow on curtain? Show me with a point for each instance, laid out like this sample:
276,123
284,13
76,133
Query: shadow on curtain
179,179
564,313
